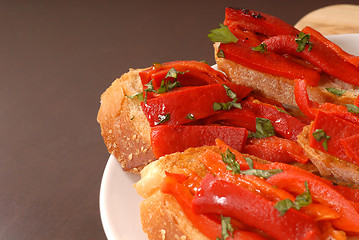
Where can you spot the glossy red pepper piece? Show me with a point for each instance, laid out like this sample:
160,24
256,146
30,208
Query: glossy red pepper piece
221,197
293,181
317,35
168,139
258,22
199,73
351,147
347,192
356,103
274,64
320,56
206,225
284,124
305,105
276,149
336,128
180,107
339,111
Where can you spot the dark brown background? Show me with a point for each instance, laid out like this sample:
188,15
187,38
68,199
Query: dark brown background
56,58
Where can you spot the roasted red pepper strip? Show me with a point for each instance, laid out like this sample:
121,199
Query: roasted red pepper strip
315,34
293,181
356,103
276,149
284,124
180,107
301,98
351,146
202,73
349,193
336,128
274,64
168,139
221,197
258,22
339,111
320,56
203,223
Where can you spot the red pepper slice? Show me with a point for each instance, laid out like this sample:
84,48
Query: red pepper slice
351,146
301,98
201,72
349,193
221,197
168,139
180,107
336,128
317,35
339,111
274,64
320,56
258,22
284,124
293,181
203,223
357,101
276,149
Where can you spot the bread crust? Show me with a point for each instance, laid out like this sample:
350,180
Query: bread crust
281,89
330,167
161,215
124,127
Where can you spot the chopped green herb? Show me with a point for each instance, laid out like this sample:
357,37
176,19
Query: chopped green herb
222,35
139,96
227,229
262,173
220,53
173,73
249,161
264,128
228,105
352,108
301,200
163,119
302,40
320,135
190,116
167,86
261,48
338,92
230,159
282,110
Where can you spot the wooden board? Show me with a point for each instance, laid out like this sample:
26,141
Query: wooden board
335,19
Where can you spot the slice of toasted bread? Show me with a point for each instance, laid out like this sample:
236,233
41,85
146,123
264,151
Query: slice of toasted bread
281,89
124,127
335,169
161,215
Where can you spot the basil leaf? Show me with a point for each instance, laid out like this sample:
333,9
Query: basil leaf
227,229
220,53
249,161
302,40
282,110
222,35
300,201
174,73
262,173
228,105
320,135
163,119
264,128
352,108
190,116
283,206
230,159
261,48
139,96
338,92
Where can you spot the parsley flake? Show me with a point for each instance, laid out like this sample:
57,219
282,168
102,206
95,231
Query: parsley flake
320,135
261,48
222,35
301,200
264,128
302,40
338,92
352,108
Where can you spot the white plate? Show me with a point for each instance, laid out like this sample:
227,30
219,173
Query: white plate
119,202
